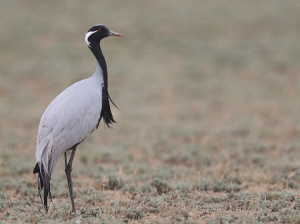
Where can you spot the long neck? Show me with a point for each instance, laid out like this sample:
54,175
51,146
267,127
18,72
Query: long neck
95,48
105,111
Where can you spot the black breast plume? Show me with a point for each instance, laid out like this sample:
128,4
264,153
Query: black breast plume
105,111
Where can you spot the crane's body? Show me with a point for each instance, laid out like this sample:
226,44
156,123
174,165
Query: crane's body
72,116
69,119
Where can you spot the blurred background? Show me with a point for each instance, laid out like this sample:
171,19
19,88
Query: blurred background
207,90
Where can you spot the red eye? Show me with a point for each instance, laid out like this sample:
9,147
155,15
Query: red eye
100,30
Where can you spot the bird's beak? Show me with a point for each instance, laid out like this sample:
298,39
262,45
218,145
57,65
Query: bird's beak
112,33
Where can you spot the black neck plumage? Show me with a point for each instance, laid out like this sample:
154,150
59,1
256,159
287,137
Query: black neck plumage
105,111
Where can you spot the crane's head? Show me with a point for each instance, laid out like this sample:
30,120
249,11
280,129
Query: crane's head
97,33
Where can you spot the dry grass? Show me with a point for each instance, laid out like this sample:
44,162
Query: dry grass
208,126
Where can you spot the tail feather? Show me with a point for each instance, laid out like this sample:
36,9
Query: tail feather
43,180
39,179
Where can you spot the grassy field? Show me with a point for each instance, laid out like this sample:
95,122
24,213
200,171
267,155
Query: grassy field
208,128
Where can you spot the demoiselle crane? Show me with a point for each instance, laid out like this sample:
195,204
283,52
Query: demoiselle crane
72,116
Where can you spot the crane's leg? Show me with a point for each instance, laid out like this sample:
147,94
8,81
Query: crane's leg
69,177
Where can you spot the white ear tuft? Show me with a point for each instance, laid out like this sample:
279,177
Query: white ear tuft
87,35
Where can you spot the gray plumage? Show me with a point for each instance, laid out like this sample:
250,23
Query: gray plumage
72,116
69,119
